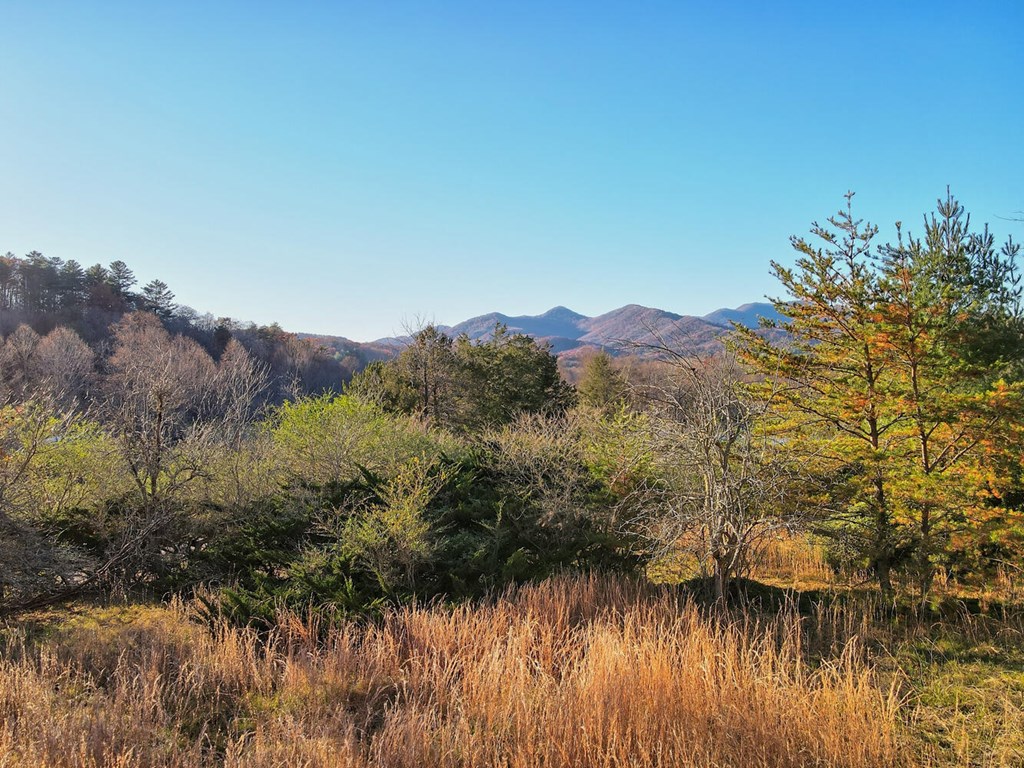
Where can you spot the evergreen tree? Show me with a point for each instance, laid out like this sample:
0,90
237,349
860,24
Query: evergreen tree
72,285
99,287
890,376
836,376
8,280
506,376
944,300
158,299
121,280
466,385
601,385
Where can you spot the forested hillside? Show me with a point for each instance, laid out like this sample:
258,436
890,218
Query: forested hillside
44,293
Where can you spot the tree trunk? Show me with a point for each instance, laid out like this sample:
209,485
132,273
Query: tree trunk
883,552
721,581
925,572
883,572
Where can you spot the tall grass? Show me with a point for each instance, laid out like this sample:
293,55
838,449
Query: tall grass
794,561
578,671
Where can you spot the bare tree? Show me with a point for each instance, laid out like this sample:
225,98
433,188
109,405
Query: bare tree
728,476
542,458
158,389
64,366
159,396
18,358
239,400
169,413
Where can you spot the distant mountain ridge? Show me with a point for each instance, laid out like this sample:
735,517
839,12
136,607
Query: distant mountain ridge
558,322
571,335
621,330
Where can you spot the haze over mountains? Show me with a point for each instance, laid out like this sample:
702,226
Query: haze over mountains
571,334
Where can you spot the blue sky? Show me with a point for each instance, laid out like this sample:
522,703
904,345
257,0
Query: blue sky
346,167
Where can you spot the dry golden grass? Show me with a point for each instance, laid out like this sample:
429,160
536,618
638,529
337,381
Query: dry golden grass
787,560
581,671
792,560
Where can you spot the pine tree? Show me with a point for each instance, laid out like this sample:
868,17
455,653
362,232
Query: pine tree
891,372
943,300
835,373
158,299
601,385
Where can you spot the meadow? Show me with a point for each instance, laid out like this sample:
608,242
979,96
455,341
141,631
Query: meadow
579,670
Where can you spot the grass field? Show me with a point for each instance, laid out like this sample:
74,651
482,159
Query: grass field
576,671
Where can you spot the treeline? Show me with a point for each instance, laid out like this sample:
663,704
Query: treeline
46,293
886,422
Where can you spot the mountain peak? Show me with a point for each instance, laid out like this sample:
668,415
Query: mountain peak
748,315
562,313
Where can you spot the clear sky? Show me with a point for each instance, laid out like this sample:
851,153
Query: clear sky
343,167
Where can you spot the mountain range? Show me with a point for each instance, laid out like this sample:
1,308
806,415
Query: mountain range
571,335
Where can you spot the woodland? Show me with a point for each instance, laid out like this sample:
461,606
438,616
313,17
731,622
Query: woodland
223,544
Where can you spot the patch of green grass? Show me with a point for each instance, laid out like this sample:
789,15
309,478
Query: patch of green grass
965,694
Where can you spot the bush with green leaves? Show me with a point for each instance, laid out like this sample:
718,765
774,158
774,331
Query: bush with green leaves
330,439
